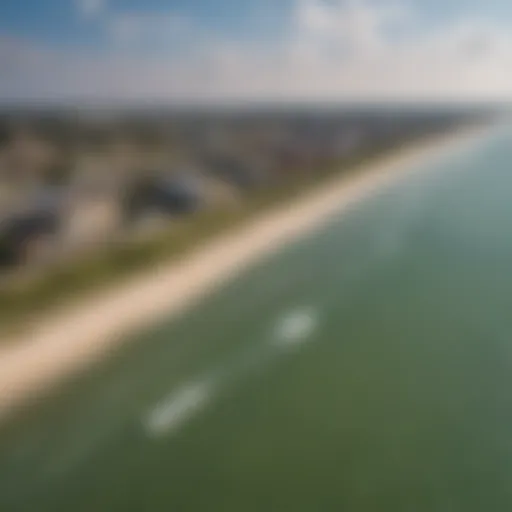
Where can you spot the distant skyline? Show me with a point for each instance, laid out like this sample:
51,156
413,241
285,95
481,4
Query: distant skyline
210,51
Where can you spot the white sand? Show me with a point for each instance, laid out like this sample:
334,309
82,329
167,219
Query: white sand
67,341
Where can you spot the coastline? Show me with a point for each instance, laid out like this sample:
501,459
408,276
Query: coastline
68,341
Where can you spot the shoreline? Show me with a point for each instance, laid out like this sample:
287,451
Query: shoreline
70,340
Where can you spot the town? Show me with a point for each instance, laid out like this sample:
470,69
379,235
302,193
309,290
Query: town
75,181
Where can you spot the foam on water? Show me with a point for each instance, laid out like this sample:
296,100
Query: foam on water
296,326
180,406
173,411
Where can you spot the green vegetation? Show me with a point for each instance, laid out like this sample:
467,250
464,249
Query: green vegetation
112,263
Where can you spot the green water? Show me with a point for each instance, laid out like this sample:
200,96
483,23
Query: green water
366,368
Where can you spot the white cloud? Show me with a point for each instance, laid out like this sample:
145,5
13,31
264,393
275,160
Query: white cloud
330,50
135,29
347,50
91,9
356,25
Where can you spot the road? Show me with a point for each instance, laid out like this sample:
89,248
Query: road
364,368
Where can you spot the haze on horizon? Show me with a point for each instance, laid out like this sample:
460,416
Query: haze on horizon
207,51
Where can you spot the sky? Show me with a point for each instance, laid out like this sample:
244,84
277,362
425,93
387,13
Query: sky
195,51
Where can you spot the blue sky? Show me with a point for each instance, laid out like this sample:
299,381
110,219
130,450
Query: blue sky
270,48
59,22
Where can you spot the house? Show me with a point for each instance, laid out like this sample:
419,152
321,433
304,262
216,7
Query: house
89,219
245,173
26,157
56,222
26,236
150,192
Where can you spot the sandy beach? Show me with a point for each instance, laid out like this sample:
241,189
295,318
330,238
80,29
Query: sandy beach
68,341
